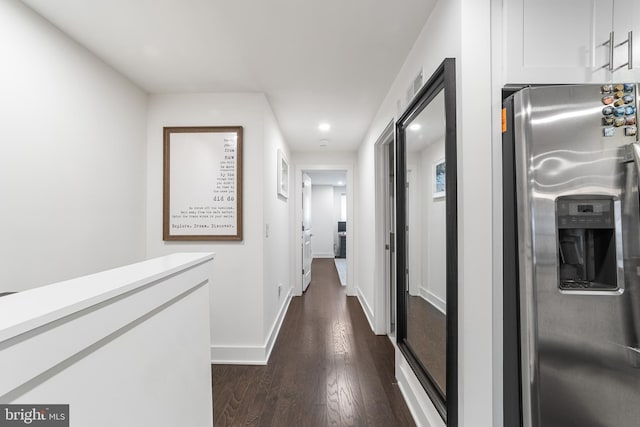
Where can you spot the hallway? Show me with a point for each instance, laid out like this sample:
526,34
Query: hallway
327,368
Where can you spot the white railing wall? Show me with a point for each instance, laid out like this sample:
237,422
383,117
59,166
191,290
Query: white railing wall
125,347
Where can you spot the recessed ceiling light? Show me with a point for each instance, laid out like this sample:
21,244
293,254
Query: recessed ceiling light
340,183
324,127
415,126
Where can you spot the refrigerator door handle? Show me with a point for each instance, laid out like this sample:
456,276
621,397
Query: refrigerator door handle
633,155
633,355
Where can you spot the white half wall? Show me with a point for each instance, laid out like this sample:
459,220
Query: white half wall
72,157
129,346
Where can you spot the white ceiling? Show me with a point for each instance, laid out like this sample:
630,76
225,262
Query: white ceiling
316,60
328,177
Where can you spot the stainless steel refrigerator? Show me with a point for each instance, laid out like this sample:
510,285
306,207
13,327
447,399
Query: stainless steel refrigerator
571,256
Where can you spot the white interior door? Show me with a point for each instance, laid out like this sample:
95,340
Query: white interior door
306,231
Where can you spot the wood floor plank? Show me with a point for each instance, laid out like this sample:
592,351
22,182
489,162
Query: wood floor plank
244,389
256,406
221,395
265,410
352,411
333,393
327,368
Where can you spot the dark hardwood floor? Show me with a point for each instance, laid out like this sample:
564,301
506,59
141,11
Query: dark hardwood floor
327,368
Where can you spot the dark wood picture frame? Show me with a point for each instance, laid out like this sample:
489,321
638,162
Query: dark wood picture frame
443,79
217,201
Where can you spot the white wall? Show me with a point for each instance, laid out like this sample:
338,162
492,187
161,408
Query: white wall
414,222
76,193
277,256
433,240
322,218
475,218
460,29
440,38
498,81
427,231
72,157
245,299
237,301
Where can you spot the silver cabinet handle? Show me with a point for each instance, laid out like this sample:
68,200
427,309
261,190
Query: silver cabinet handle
629,42
609,42
630,49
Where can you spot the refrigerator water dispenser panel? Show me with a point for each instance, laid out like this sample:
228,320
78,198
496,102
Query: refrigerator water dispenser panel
586,239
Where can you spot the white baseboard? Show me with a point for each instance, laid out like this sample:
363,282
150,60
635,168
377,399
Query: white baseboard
323,255
275,329
366,308
423,411
240,355
251,355
434,300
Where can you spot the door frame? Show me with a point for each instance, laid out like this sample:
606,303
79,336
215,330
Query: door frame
306,232
297,225
381,295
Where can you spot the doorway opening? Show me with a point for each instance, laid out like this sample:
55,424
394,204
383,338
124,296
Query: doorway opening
324,225
385,286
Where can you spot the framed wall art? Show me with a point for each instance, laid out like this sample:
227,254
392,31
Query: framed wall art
202,183
439,179
283,175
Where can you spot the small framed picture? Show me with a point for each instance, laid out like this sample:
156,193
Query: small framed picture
283,175
439,179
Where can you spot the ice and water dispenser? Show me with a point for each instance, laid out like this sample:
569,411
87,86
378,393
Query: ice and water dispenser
586,231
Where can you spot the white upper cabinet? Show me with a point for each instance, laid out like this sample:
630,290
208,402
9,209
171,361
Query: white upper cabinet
626,18
567,41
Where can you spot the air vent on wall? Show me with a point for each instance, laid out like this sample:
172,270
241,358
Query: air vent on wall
415,86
